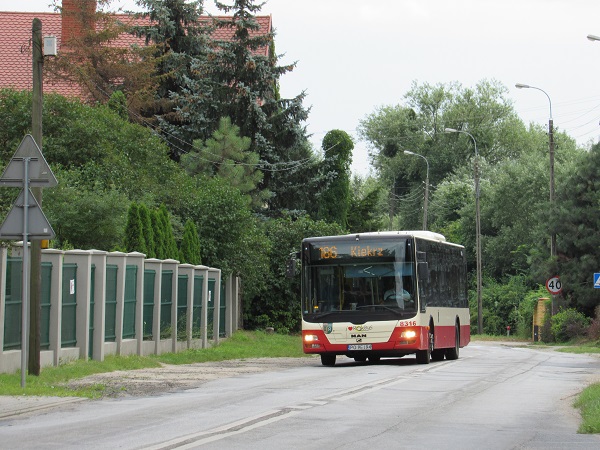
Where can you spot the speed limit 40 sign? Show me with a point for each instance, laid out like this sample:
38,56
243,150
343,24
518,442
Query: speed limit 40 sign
554,285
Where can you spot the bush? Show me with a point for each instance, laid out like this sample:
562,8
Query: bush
569,324
524,315
594,328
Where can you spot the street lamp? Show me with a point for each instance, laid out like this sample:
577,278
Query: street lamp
425,202
551,147
477,230
593,37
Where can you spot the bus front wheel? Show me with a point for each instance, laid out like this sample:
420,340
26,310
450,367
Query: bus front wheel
424,356
452,353
328,360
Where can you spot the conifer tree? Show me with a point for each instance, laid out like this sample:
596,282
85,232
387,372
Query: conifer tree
180,41
134,236
171,250
189,251
159,234
240,80
147,231
227,155
91,61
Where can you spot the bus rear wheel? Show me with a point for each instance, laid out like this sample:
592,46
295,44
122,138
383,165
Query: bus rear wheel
328,360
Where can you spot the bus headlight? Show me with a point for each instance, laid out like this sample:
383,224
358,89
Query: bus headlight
408,334
310,337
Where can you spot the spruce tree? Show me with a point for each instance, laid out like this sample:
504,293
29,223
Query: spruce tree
240,80
180,41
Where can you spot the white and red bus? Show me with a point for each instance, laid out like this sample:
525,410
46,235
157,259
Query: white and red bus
384,294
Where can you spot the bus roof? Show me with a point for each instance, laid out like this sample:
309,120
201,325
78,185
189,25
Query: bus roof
429,235
415,233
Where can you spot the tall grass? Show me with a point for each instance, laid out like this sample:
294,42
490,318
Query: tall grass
589,404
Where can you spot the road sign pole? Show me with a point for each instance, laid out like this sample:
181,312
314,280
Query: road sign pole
25,275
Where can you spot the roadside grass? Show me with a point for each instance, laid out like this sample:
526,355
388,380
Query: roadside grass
583,347
241,345
588,403
52,380
492,338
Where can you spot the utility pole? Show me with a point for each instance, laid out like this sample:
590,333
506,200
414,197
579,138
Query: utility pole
551,146
36,248
552,233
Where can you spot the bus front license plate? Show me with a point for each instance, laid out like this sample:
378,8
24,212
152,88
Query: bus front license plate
359,347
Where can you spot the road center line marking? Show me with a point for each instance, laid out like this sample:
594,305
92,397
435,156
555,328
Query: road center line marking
250,423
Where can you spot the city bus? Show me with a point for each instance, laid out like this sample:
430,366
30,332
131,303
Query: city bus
384,294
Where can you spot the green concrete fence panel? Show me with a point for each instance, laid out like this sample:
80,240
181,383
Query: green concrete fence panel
12,304
166,303
182,286
149,278
110,302
130,302
69,306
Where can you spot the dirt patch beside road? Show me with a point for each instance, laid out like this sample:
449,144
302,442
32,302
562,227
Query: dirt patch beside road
170,378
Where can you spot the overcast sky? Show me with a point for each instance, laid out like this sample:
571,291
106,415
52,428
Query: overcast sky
356,55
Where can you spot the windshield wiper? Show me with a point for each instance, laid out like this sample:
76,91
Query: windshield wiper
325,314
397,311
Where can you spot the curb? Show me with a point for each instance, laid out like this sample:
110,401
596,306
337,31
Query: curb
11,406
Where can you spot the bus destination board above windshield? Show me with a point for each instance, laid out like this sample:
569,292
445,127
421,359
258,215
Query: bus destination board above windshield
345,250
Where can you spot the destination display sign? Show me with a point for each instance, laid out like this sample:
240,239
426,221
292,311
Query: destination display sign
322,251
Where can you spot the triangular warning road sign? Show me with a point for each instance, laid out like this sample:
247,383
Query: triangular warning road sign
39,171
38,225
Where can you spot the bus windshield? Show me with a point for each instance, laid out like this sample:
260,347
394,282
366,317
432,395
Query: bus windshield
335,287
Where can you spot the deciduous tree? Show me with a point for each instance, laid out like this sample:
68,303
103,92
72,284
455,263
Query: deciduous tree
334,201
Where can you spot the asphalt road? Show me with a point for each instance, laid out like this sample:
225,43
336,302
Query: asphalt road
494,397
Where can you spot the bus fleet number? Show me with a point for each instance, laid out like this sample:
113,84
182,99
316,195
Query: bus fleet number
408,323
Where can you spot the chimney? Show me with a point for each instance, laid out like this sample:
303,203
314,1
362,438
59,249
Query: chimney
78,18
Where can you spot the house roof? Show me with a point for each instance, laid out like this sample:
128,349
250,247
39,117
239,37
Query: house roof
15,47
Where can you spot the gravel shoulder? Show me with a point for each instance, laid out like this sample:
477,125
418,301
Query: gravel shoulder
172,378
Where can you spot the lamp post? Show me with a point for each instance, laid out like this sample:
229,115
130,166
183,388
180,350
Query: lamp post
593,37
426,201
551,149
477,230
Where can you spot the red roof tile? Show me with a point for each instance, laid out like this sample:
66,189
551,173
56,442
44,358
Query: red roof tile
15,47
